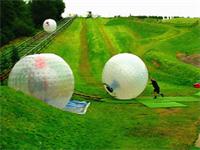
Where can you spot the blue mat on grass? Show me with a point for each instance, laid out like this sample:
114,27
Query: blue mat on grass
78,107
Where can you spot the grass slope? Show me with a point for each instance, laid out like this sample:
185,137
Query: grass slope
167,101
86,45
28,123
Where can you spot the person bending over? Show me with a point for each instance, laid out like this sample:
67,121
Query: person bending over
156,90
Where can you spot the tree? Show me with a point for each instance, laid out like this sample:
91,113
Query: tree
4,63
7,16
15,56
19,18
15,20
44,9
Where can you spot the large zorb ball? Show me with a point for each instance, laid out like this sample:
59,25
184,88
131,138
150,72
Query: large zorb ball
125,76
49,25
45,76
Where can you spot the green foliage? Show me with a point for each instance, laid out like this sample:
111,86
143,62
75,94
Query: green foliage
45,9
18,18
15,20
15,55
5,62
22,29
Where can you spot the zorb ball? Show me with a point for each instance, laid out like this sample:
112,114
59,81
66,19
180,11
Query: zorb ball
45,76
49,25
125,76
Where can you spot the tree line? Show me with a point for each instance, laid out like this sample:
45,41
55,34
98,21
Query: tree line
19,18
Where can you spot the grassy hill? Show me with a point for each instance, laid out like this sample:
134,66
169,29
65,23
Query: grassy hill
28,123
88,43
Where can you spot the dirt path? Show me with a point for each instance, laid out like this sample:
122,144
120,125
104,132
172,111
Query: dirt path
112,50
84,64
138,48
197,144
190,59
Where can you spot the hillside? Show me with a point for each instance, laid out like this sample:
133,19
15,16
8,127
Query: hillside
88,43
28,123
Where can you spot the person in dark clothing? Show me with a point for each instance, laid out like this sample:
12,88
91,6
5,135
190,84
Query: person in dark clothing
156,90
108,88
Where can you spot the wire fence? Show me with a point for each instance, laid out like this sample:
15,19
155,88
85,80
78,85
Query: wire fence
32,45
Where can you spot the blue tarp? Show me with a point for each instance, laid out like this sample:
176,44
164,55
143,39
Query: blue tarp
78,107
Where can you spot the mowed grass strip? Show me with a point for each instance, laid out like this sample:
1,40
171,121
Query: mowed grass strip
97,50
167,101
85,66
108,42
160,104
182,99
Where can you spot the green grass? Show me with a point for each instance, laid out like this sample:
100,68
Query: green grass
27,123
183,22
167,102
144,29
197,94
162,104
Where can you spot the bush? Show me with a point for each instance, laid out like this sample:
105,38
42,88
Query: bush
22,29
15,55
5,63
42,10
15,20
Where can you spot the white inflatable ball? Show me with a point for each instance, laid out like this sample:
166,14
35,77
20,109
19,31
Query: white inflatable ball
45,76
49,25
125,76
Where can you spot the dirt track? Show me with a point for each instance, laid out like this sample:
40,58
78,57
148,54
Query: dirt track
84,64
108,42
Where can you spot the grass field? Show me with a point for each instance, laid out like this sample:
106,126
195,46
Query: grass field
86,45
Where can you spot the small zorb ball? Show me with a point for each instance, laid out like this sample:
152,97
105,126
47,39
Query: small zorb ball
125,76
49,25
45,76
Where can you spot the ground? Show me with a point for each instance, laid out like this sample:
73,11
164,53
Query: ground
110,124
